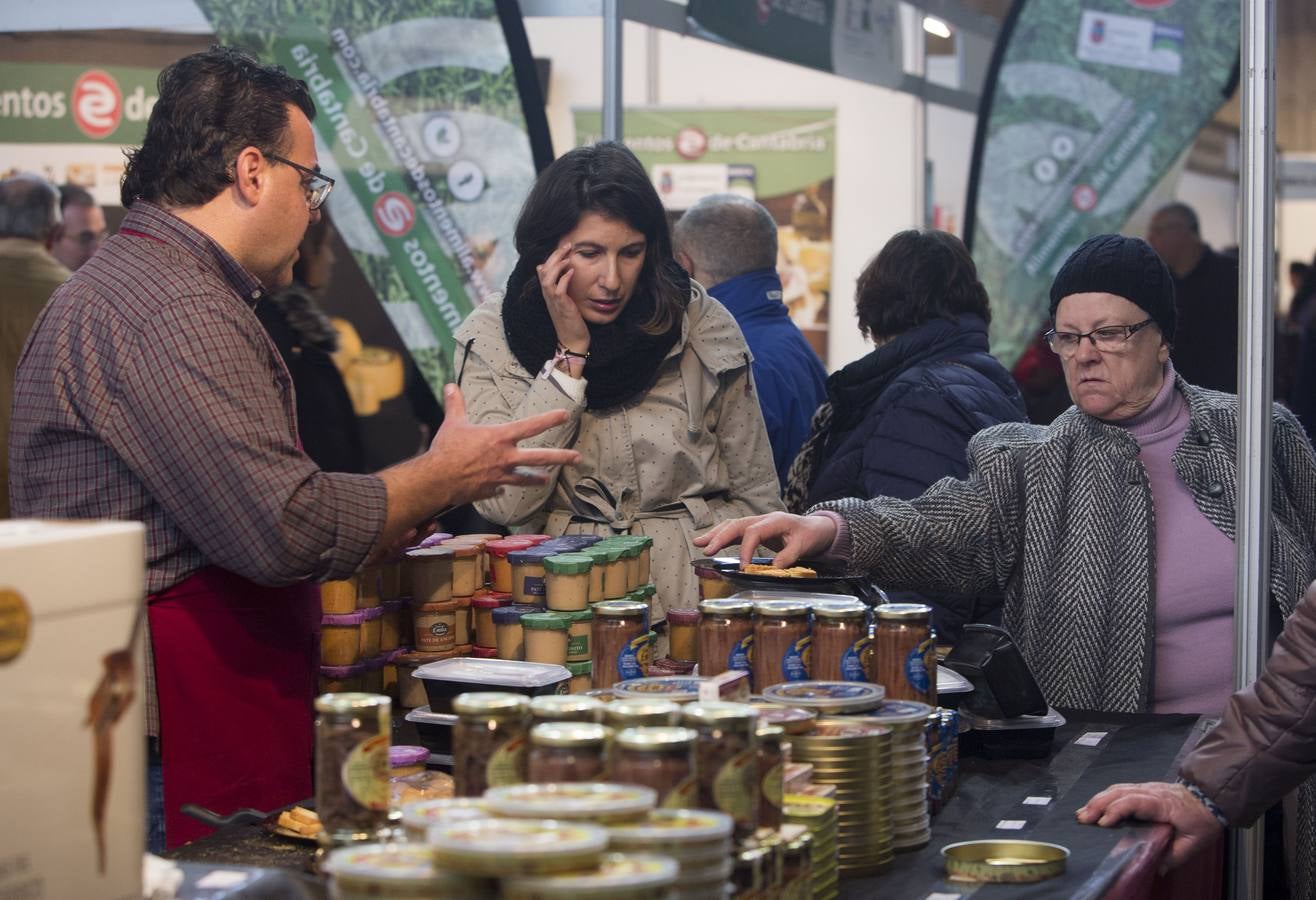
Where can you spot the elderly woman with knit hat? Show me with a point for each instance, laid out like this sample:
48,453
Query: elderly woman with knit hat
1110,532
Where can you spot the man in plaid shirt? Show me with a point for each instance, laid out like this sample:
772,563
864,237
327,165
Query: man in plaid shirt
148,390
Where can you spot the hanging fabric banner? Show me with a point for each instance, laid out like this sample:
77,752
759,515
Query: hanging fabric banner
431,120
1088,103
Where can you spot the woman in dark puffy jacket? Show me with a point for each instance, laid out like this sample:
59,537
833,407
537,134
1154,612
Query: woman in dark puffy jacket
899,419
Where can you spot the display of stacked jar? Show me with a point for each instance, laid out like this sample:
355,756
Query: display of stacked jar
364,628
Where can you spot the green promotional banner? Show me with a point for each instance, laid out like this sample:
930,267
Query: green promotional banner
857,39
1088,105
60,103
783,158
420,121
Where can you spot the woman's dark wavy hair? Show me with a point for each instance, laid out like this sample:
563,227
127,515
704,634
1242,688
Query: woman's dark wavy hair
917,277
607,179
212,105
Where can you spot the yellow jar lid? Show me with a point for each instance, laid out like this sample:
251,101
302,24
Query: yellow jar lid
656,738
569,734
491,703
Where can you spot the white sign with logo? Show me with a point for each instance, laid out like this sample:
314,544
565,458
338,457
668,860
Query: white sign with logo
1130,42
681,185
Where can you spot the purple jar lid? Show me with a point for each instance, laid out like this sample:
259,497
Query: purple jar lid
682,616
374,663
341,671
345,619
371,612
508,615
392,605
434,539
533,555
406,755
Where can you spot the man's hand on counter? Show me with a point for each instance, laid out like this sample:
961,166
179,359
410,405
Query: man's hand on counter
1195,828
794,537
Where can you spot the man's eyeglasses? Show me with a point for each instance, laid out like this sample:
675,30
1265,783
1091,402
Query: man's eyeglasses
1109,339
317,186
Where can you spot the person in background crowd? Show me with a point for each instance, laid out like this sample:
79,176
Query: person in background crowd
600,320
82,230
1263,748
728,243
1205,350
29,218
899,419
1111,532
1297,272
150,392
326,423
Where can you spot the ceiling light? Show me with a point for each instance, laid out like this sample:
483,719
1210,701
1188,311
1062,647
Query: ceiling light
935,26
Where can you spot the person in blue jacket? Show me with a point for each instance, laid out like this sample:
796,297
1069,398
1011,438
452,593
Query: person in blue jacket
728,243
900,418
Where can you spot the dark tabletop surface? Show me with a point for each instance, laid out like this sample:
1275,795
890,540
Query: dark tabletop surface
1135,748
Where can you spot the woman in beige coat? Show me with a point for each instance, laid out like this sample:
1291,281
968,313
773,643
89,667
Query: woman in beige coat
599,320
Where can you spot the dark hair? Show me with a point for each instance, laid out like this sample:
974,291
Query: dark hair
607,179
74,195
212,106
1183,211
917,277
1298,268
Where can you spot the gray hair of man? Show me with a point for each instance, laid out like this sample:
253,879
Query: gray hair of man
29,207
725,235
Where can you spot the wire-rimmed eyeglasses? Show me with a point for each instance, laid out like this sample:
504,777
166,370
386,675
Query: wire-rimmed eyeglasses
1107,339
317,186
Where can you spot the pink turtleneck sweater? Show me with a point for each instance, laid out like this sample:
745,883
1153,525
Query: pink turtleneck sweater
1195,571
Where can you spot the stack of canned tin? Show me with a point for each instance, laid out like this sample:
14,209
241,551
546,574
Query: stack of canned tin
854,755
908,790
818,814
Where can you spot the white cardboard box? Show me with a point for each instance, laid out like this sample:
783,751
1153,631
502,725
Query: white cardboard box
69,597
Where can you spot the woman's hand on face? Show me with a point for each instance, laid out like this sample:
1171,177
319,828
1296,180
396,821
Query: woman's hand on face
554,280
796,537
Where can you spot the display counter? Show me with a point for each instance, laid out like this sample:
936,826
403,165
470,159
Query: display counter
996,798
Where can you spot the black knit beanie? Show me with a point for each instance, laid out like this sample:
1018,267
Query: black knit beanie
1125,266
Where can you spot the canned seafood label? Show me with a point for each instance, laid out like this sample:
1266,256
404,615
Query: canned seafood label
633,659
440,629
742,654
773,784
505,766
916,666
533,585
578,646
735,787
795,661
684,796
365,772
852,661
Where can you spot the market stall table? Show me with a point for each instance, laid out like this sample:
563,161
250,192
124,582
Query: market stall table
1035,799
997,798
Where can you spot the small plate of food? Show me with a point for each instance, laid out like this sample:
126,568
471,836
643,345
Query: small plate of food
762,573
297,824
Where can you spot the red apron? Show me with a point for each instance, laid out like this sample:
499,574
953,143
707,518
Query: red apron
236,665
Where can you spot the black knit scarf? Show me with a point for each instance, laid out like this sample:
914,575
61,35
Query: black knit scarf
623,360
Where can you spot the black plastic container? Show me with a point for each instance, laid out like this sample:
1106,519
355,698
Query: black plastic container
1003,685
1020,737
447,678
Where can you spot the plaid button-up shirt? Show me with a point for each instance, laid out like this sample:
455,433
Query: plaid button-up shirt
149,391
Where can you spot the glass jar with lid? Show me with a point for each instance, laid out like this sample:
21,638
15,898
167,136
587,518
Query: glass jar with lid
565,708
683,633
640,713
430,569
904,656
546,635
661,758
726,760
566,581
489,741
726,634
781,642
772,768
568,751
352,737
608,577
840,642
619,642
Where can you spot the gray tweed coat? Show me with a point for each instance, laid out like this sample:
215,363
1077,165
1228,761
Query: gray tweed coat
1061,520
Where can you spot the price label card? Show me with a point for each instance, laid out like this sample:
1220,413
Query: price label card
1091,738
1011,824
1037,801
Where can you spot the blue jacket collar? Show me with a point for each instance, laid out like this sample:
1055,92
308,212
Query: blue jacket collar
751,294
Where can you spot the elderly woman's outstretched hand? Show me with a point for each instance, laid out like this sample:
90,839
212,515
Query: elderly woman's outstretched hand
1195,828
794,537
